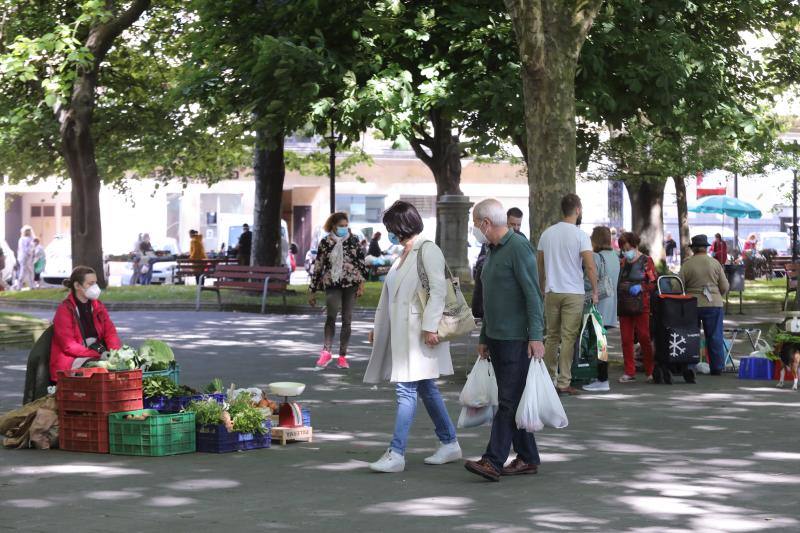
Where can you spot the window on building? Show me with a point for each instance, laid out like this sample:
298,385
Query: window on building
66,210
361,208
49,210
426,205
36,210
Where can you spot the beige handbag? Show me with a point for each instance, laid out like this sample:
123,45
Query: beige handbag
457,320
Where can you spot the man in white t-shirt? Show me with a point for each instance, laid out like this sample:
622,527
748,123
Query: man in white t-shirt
564,253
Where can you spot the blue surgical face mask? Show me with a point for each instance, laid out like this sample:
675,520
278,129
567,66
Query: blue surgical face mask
341,232
630,255
394,239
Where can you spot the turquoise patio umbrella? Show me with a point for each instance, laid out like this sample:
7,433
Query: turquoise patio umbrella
726,206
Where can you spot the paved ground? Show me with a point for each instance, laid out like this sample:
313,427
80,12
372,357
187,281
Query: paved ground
721,455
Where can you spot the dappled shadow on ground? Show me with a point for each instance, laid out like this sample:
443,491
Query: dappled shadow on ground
721,455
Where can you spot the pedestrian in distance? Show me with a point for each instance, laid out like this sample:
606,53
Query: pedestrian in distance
197,251
147,254
565,252
341,271
511,334
719,249
39,262
670,249
636,283
25,257
406,349
606,262
704,277
245,246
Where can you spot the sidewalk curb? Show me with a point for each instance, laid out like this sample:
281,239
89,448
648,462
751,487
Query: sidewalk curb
49,305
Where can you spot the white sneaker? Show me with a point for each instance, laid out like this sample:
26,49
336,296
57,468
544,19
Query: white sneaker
447,453
390,462
597,386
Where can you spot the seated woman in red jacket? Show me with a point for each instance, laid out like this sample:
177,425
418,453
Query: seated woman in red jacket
81,328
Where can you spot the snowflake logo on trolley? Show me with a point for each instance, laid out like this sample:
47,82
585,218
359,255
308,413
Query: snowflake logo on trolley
677,345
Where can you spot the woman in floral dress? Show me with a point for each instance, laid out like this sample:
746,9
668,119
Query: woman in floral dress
340,270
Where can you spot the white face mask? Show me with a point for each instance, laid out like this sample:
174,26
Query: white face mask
93,292
479,235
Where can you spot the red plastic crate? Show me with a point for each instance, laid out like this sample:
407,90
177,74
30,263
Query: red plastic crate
83,432
93,390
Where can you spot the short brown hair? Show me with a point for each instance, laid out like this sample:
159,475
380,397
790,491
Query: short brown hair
601,238
569,204
629,238
403,219
334,220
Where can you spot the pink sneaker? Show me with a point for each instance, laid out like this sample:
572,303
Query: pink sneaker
325,358
342,362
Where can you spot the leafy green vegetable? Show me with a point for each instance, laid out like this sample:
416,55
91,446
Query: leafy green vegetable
122,359
206,411
246,418
155,355
160,386
215,387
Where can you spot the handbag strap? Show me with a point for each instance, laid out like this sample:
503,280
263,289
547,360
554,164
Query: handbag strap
423,276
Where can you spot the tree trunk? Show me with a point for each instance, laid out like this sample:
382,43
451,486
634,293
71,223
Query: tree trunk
647,206
442,157
683,216
269,169
75,123
550,36
86,231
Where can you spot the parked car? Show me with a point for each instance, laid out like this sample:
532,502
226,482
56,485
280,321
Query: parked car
163,271
58,257
11,262
776,240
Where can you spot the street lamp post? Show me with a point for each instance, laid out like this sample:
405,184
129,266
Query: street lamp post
794,216
333,142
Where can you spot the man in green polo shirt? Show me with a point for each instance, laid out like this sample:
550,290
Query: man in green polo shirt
512,333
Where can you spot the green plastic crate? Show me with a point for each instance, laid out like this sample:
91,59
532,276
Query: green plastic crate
173,372
156,436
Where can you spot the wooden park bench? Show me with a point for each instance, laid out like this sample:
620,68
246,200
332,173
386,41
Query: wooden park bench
778,265
253,279
792,271
191,268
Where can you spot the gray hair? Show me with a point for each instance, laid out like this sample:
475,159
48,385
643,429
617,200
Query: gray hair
491,209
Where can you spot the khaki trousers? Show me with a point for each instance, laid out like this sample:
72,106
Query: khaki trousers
563,315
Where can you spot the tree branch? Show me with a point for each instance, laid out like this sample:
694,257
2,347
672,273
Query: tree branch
420,153
583,18
101,38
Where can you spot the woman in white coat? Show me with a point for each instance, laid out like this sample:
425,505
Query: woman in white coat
405,346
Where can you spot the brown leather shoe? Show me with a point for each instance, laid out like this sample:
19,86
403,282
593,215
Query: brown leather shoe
483,468
518,467
571,391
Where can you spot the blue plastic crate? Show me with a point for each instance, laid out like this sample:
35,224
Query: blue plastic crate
178,404
173,373
755,368
217,439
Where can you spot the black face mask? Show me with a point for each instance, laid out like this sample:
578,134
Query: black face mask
580,219
518,232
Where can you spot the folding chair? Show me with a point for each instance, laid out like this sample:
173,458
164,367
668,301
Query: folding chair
729,340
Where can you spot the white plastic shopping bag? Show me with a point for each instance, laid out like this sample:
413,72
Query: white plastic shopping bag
481,387
540,405
471,417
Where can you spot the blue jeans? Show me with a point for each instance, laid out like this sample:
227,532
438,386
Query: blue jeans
711,318
510,362
407,405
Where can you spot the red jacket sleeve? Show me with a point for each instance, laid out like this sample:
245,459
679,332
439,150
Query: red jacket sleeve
110,338
64,334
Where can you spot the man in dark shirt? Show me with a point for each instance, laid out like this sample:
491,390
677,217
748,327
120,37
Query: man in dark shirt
245,245
512,334
669,248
